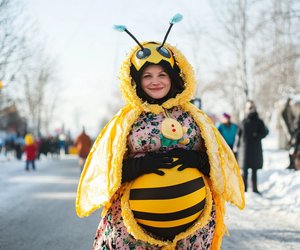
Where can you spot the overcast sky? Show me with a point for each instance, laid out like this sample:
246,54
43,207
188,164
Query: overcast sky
79,35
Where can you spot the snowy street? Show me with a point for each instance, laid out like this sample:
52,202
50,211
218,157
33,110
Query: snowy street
270,221
37,209
260,227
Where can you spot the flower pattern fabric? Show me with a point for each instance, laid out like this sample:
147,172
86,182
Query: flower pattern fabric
112,234
145,135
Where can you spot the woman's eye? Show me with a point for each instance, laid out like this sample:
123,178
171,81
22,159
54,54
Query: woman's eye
163,75
146,76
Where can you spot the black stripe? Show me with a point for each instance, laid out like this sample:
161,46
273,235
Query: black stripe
167,233
170,192
170,216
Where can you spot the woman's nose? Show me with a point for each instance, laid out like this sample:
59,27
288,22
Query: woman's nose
155,81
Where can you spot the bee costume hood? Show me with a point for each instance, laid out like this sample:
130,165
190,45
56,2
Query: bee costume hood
102,173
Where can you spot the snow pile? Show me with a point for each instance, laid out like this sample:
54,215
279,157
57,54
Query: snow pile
280,187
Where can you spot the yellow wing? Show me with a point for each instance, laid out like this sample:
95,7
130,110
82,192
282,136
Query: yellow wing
101,176
224,170
234,185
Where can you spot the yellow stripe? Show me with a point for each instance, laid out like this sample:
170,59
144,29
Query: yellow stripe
168,205
172,223
172,177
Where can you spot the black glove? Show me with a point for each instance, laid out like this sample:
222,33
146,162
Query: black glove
150,163
191,159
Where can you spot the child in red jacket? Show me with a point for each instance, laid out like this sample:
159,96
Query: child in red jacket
30,151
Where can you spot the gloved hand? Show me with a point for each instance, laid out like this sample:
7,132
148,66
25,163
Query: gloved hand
191,159
150,163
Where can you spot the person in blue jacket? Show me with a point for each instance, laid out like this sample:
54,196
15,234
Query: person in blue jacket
228,129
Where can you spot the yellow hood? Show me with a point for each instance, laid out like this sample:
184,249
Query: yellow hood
129,92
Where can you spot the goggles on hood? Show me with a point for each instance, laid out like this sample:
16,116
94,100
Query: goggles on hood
151,52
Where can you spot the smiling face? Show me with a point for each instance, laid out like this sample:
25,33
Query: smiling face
155,81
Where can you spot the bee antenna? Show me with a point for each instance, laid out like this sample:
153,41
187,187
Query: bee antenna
122,28
175,19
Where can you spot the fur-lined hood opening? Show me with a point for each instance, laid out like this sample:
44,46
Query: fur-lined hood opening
128,88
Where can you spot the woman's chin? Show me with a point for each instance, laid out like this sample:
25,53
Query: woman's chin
157,96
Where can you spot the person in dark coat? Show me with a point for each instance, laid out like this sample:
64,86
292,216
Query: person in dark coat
294,151
250,155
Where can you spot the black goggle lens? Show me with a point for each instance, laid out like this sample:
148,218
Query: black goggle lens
164,52
143,54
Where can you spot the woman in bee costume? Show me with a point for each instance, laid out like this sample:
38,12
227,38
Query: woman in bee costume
159,168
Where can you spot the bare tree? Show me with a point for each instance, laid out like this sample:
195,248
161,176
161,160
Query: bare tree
225,85
39,95
232,37
15,30
198,35
25,68
263,38
235,19
277,63
13,42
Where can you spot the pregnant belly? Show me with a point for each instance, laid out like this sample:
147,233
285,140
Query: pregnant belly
169,204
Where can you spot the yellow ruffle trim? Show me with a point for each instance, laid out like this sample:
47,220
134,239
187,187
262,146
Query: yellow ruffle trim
139,234
220,227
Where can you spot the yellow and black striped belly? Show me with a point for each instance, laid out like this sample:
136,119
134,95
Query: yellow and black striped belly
167,205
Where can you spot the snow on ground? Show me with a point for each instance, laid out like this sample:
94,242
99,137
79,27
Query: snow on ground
269,221
280,186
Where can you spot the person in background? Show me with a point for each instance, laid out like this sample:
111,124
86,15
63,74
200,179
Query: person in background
228,129
250,154
294,151
30,150
83,144
19,144
288,120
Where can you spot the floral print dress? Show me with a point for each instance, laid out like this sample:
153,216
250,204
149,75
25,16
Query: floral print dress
145,136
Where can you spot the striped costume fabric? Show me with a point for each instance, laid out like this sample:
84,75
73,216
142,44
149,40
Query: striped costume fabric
168,205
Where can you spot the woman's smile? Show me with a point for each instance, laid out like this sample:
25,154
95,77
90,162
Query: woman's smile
155,81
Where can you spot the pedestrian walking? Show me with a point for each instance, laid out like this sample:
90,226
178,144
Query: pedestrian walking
288,120
294,150
19,144
30,151
228,129
250,134
160,168
83,144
